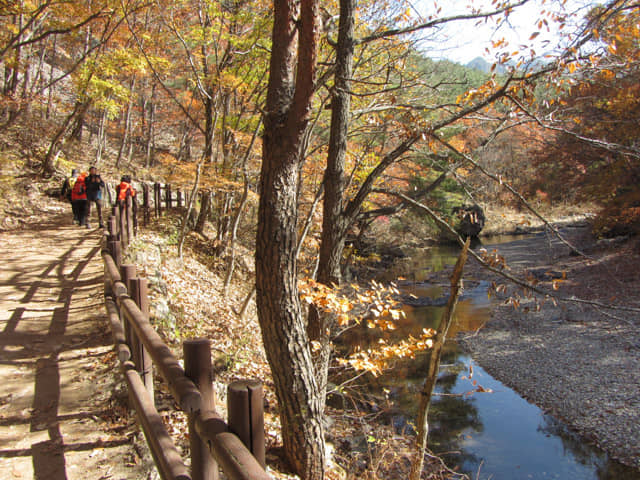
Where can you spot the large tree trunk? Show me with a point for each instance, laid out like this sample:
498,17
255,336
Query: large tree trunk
291,80
279,310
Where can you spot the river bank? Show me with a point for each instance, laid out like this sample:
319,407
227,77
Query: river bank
575,359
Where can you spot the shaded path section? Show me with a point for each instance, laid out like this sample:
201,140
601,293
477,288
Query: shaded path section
58,416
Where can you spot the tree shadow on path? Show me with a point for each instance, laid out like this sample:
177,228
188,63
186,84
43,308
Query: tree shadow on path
51,321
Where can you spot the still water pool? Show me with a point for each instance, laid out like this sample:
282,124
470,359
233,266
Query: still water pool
496,435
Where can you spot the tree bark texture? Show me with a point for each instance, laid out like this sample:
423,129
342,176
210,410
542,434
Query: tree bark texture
334,222
205,208
291,82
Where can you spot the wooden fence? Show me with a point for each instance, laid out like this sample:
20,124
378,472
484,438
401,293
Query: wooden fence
153,199
236,447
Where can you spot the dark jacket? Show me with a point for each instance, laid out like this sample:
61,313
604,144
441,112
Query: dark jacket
94,184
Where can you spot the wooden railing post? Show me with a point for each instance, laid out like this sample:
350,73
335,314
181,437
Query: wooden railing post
112,226
115,249
134,211
108,287
145,204
179,198
140,294
122,224
127,274
157,200
168,195
198,367
131,220
246,416
115,213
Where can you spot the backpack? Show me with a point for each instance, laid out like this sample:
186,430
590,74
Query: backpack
125,190
78,190
68,187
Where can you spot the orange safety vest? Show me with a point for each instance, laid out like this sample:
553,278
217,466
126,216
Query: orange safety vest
79,190
124,190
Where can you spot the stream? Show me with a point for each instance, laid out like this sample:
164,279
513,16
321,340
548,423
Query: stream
478,425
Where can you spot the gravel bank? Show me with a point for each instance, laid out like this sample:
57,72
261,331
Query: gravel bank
576,361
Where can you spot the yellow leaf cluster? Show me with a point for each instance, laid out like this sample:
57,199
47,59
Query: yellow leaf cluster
376,360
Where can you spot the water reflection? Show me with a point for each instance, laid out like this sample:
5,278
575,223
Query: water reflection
496,435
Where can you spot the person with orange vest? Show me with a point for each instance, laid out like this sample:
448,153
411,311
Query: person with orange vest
79,200
125,189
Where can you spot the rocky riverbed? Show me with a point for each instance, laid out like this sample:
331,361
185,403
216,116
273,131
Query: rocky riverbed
573,357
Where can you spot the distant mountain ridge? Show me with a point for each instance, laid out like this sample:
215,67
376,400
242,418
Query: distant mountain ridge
484,66
479,63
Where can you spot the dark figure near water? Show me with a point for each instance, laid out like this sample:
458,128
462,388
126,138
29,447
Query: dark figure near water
95,185
470,220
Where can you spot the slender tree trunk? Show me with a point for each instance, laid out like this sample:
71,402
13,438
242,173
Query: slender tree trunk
127,123
225,205
150,147
209,128
238,216
334,223
78,120
38,79
242,314
11,76
234,232
205,209
51,71
12,79
187,213
309,220
434,365
102,137
47,163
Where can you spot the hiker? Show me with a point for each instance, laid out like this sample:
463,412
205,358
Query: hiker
79,200
65,191
95,184
124,190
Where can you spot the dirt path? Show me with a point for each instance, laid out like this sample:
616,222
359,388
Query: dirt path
61,404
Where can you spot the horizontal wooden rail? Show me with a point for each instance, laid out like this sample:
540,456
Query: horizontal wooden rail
119,339
236,461
111,269
213,442
183,389
165,454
